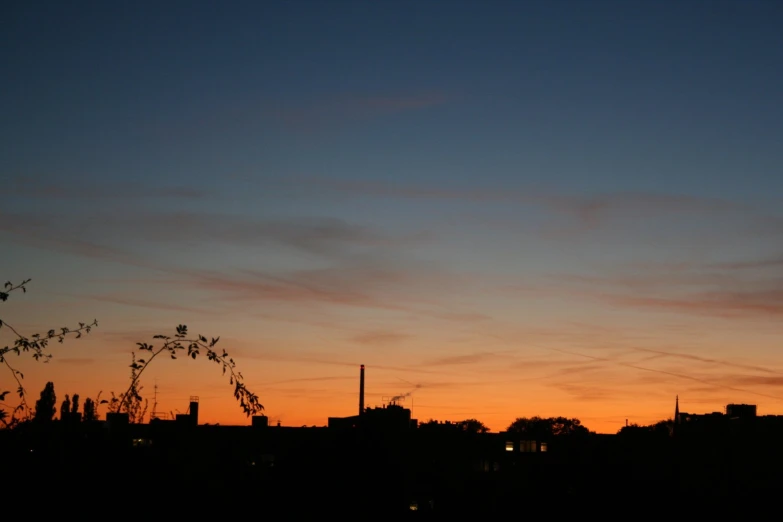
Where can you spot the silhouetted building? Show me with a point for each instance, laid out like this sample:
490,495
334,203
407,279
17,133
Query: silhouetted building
741,411
391,417
193,410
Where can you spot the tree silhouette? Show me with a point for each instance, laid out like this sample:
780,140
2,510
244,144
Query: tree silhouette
45,407
541,428
193,347
473,426
466,426
75,404
90,414
36,344
662,428
65,408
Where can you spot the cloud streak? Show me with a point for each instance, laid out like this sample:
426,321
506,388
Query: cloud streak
325,237
590,209
457,360
730,291
708,360
381,338
74,361
325,114
44,188
599,363
141,303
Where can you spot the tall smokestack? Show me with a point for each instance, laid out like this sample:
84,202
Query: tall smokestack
361,391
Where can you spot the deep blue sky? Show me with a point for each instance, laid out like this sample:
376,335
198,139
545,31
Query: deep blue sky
668,96
475,157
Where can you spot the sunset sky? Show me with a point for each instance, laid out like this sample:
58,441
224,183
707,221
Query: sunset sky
506,208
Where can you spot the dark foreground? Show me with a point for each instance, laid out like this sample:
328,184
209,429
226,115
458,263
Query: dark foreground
312,474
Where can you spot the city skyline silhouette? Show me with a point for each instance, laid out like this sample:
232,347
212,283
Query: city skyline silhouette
552,209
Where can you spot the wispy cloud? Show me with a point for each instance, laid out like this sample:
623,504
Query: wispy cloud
317,235
46,188
569,215
708,360
600,362
771,262
759,303
310,379
474,358
372,361
587,392
755,380
380,338
368,283
141,303
589,208
338,111
727,291
74,361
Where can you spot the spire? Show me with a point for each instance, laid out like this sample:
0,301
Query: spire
676,422
677,409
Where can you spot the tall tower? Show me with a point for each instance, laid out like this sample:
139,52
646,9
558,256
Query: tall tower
677,409
676,422
361,391
194,410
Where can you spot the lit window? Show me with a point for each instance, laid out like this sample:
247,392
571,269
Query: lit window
527,446
414,506
543,446
509,446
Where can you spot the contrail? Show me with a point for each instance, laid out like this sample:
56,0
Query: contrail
653,370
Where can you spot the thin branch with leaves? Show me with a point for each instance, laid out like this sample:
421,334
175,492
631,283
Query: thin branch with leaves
180,344
37,345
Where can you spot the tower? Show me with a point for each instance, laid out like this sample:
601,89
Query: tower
361,390
154,414
676,415
677,409
194,410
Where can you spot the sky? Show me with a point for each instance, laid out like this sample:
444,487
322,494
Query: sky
501,208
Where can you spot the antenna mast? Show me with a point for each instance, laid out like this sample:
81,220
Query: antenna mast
155,402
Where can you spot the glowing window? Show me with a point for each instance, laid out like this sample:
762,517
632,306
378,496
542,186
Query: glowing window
543,446
527,446
509,446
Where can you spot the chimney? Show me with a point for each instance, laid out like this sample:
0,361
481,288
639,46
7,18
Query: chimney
194,410
361,391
